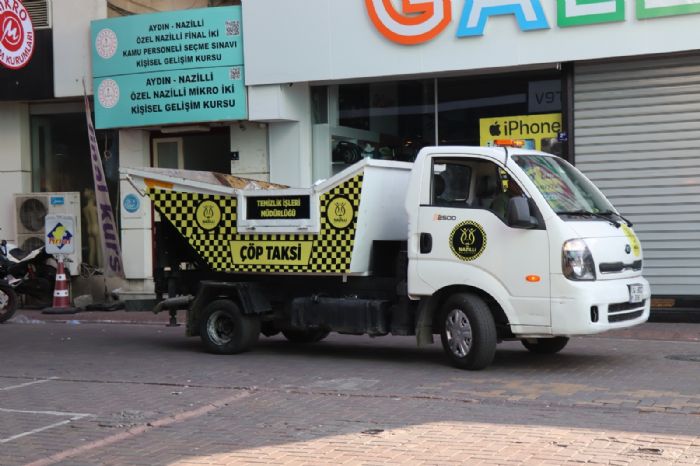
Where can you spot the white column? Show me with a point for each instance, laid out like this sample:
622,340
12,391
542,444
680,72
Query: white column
136,226
287,109
15,162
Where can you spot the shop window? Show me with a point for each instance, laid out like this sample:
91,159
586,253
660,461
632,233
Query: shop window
475,111
61,162
388,120
319,104
399,115
167,153
395,119
208,150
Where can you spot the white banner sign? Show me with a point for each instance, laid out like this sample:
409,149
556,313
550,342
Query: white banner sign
108,231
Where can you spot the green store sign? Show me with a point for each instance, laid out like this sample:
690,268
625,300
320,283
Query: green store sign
583,12
168,68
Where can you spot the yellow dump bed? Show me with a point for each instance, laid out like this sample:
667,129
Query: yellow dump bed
241,225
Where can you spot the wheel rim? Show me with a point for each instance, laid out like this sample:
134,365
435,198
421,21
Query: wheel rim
220,328
459,332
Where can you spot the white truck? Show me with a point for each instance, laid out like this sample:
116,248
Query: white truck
478,245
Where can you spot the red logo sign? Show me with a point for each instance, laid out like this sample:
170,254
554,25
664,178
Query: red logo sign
16,34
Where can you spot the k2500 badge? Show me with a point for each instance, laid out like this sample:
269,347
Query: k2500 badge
468,240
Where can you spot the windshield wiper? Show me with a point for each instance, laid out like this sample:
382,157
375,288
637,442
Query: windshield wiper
586,213
610,212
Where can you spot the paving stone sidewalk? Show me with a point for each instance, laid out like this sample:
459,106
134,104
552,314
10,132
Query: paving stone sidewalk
110,389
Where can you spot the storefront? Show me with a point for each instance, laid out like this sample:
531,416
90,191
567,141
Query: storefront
44,151
197,121
609,85
171,83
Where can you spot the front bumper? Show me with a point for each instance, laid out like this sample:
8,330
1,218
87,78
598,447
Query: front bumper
584,308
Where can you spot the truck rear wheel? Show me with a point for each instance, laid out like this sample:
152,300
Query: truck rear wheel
311,335
468,331
224,329
545,345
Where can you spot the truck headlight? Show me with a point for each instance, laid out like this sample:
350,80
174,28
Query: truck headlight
577,261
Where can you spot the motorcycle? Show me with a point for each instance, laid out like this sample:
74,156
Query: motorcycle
26,275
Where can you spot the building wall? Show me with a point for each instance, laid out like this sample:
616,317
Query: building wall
335,39
71,44
287,109
122,7
15,156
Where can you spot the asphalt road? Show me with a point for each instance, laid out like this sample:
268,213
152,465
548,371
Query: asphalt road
116,394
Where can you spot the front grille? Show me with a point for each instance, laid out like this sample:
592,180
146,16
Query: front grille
616,267
624,317
621,307
619,312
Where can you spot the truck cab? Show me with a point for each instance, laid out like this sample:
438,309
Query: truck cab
512,243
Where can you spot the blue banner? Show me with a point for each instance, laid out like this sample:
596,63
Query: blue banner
173,67
168,97
172,40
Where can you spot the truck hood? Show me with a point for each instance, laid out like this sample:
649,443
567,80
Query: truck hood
617,252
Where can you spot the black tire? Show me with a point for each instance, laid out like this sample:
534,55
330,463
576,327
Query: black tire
351,154
224,329
302,336
38,288
468,331
8,302
545,345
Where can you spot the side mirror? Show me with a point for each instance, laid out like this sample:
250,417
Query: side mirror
518,214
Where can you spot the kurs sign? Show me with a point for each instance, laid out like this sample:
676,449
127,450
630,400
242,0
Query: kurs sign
16,35
419,21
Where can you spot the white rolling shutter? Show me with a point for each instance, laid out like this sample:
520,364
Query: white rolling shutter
637,137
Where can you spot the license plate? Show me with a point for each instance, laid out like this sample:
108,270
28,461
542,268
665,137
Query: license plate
636,292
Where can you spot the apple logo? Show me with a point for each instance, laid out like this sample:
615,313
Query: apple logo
495,129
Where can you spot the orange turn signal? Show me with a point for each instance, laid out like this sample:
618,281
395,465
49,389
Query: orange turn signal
533,278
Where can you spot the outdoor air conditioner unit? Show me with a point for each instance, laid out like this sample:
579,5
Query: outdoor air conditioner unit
31,210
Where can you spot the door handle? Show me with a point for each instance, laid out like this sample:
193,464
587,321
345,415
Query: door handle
426,243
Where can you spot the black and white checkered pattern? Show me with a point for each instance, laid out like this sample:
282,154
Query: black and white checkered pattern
180,208
331,251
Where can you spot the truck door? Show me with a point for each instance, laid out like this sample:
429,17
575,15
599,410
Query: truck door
465,239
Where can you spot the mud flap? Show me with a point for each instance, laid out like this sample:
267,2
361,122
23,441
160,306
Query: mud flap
424,323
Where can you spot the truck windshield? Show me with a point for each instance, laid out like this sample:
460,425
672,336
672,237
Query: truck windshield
566,190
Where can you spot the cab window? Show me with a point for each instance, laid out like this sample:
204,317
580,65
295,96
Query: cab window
494,189
451,183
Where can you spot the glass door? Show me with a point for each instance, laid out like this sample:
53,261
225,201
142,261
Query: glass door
168,153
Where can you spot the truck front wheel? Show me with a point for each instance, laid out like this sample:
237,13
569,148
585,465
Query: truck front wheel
468,331
224,329
545,345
